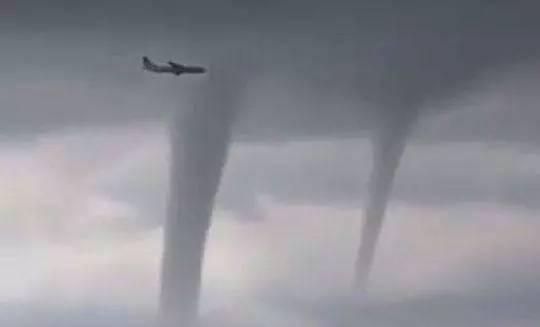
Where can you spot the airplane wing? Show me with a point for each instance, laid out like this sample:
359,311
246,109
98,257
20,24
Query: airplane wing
175,65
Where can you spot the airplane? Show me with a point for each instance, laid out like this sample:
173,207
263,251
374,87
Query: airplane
173,68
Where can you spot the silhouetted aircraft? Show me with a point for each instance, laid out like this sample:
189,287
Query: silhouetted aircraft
172,67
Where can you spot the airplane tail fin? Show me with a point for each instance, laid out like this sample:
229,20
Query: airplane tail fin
147,64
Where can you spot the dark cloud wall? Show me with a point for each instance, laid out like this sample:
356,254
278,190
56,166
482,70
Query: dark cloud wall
326,64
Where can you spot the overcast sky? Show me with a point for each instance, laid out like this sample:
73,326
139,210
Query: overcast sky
84,159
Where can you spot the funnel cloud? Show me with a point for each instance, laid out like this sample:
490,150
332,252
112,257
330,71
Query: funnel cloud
200,138
388,146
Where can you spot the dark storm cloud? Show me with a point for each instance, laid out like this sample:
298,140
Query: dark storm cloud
334,57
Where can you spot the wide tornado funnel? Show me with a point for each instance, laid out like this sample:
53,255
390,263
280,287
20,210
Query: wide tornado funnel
199,137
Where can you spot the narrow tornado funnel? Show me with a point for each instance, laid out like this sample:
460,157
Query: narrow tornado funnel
389,142
200,137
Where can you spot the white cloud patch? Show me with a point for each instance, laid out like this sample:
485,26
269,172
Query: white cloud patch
74,203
